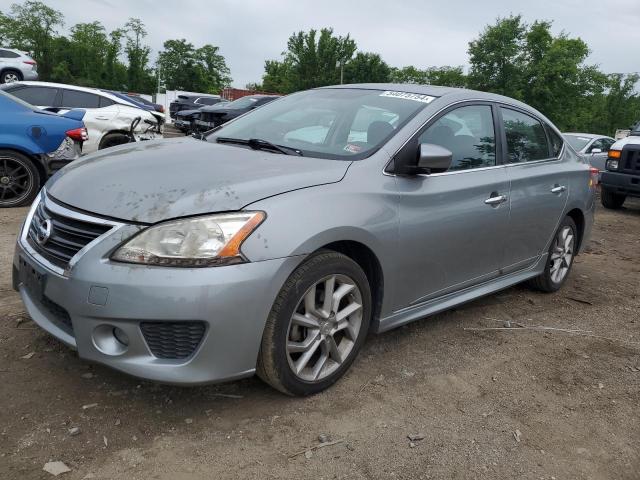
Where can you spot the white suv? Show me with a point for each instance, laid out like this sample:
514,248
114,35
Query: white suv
16,65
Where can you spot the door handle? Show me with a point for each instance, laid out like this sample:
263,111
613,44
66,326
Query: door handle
496,200
558,189
102,118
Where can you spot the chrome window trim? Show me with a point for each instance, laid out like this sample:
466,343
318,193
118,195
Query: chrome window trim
65,212
455,172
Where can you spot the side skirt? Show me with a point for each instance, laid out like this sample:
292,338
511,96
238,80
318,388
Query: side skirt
425,309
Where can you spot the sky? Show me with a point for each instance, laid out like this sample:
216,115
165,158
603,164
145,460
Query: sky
404,32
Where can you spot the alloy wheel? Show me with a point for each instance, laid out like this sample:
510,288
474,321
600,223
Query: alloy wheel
324,327
11,77
15,180
562,254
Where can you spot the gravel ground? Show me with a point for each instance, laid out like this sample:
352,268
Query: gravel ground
519,403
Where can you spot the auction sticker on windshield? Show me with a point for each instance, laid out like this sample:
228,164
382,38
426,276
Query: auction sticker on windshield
417,97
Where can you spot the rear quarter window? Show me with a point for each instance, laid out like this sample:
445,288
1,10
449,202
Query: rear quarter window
76,99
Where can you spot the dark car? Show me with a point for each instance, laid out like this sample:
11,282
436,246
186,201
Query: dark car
211,117
33,145
185,119
191,102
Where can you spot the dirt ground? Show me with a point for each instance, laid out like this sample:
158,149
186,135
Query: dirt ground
519,403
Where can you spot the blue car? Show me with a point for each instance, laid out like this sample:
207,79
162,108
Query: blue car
33,145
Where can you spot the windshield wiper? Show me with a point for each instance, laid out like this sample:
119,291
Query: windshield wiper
259,144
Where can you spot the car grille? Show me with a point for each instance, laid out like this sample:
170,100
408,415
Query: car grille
67,237
173,340
631,159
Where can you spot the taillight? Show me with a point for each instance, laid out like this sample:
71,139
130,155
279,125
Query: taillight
30,62
161,108
593,177
78,134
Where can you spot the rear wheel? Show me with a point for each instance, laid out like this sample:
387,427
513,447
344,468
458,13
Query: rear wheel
560,258
113,139
611,200
19,179
317,325
10,76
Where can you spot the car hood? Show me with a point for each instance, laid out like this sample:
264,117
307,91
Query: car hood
147,182
630,140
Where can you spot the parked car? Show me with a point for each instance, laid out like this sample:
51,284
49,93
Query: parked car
156,106
33,145
16,66
621,178
591,147
257,250
191,102
185,120
211,117
138,102
107,117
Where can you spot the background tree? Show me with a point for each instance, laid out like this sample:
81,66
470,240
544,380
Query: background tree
496,58
312,59
367,68
198,70
32,26
138,74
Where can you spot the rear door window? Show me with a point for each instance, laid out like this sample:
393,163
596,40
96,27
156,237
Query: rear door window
39,96
76,99
526,138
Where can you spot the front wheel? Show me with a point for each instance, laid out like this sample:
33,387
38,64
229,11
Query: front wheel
317,325
19,179
560,258
611,200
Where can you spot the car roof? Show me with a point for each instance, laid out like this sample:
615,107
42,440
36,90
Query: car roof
95,91
460,94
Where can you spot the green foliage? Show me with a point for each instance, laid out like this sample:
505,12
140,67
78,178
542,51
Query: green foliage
185,67
32,27
366,68
444,76
91,56
548,72
311,60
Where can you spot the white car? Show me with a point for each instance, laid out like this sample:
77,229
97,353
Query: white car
108,118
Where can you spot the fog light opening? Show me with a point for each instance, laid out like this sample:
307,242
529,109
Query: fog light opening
110,340
121,336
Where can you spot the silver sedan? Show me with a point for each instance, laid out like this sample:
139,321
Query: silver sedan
593,148
276,244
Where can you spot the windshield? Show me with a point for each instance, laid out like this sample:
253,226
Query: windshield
243,102
577,142
338,123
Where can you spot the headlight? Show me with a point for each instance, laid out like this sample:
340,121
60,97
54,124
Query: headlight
192,242
612,164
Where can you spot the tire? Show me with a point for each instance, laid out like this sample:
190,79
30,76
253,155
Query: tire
19,179
281,351
611,200
113,139
10,76
561,256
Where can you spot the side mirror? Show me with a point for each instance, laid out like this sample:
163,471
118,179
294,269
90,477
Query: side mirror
596,150
434,158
